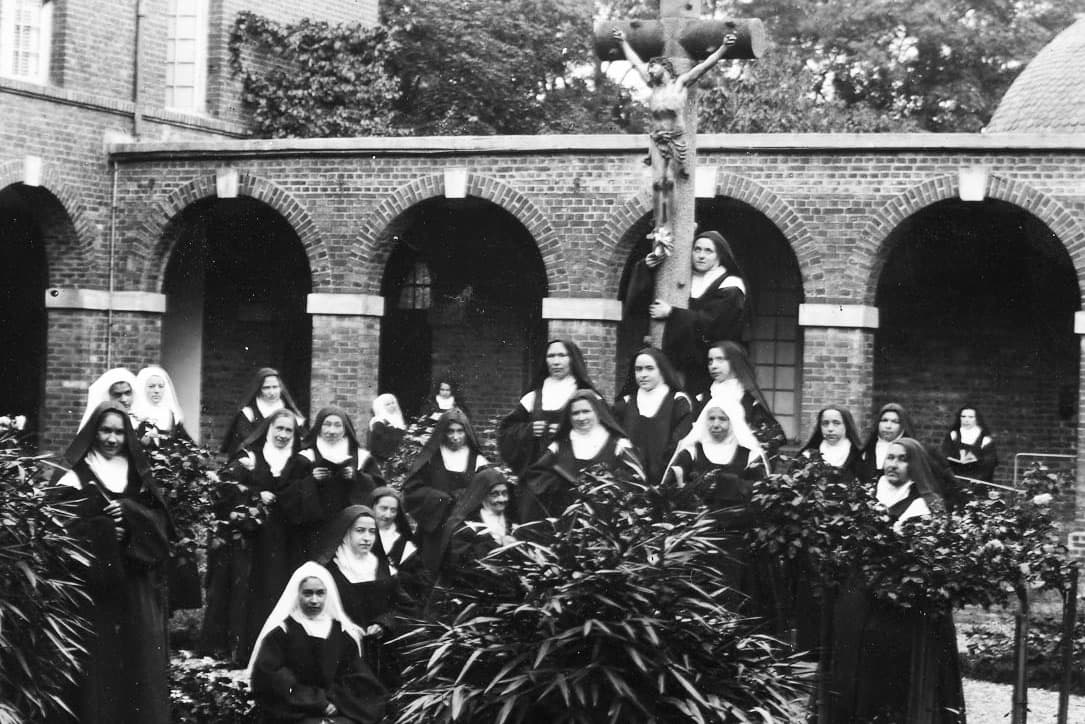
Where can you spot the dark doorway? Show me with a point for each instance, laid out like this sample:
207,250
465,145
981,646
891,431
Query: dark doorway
27,216
463,291
977,305
237,283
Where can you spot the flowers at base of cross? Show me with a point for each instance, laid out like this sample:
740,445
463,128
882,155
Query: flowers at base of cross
16,423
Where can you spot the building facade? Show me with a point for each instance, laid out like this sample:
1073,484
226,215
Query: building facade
931,270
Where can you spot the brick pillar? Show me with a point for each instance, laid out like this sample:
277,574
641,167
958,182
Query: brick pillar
838,361
83,344
346,352
592,323
1076,533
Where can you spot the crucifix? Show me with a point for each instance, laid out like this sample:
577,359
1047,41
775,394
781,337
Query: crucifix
680,47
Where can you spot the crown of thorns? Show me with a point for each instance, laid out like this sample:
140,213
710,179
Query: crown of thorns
667,64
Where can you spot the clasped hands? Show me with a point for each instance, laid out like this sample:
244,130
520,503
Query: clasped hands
539,428
323,473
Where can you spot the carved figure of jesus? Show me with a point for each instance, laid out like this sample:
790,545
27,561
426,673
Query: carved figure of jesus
667,100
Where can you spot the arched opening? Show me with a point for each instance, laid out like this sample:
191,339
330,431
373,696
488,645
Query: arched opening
463,291
977,303
774,287
236,287
30,218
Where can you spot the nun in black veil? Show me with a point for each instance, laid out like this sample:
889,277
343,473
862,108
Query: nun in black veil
120,517
525,432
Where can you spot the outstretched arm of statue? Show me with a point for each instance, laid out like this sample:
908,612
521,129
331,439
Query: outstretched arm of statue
694,74
630,54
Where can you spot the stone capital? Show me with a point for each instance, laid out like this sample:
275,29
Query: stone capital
852,316
345,305
582,308
103,300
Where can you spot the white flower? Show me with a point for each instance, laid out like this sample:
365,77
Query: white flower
20,422
1042,499
5,423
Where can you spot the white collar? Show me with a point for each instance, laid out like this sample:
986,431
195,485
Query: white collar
648,402
276,458
445,404
495,523
267,408
555,393
353,568
336,453
720,453
835,455
970,436
456,460
889,495
318,627
730,389
699,283
112,472
587,445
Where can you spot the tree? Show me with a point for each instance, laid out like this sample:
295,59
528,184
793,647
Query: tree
500,66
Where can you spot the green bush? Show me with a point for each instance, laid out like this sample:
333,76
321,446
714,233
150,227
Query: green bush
40,593
614,614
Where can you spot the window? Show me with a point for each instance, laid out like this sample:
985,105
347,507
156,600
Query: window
416,290
776,352
26,28
186,55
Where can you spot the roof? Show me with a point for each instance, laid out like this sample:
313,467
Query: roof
1049,95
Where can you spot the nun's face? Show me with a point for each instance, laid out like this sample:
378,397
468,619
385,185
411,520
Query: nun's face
719,369
497,500
121,392
444,391
968,417
647,372
312,594
583,416
386,508
362,534
156,389
109,438
455,436
705,257
896,464
557,360
718,424
832,426
282,431
889,426
332,430
270,389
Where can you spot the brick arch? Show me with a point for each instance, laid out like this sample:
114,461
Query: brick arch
375,240
615,234
158,227
873,249
77,255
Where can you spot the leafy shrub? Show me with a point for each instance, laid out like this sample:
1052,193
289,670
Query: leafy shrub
202,691
988,550
185,473
614,614
40,594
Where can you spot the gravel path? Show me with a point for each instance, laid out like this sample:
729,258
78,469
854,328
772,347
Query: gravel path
989,703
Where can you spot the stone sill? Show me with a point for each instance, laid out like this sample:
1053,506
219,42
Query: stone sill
116,106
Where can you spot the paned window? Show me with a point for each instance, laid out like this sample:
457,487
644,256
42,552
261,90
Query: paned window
26,29
186,55
416,290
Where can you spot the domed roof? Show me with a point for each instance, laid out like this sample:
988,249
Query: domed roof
1049,95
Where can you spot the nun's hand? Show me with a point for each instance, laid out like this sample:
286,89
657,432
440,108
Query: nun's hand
538,428
659,309
113,510
321,473
330,710
267,496
348,472
375,630
248,461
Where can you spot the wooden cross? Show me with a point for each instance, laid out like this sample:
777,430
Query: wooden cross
664,51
